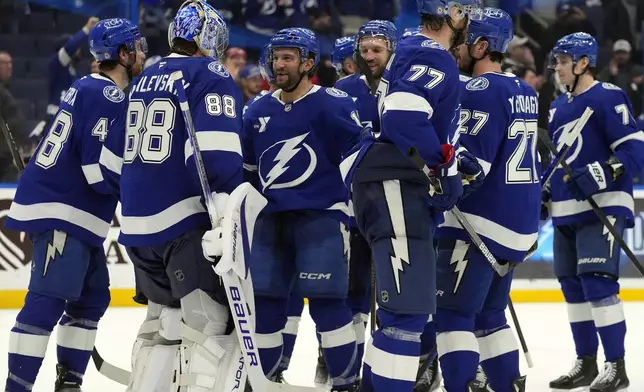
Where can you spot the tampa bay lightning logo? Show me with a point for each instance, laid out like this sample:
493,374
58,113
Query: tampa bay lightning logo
219,69
334,92
114,94
430,43
478,84
287,163
563,134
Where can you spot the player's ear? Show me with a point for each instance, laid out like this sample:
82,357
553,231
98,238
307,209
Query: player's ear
482,46
308,65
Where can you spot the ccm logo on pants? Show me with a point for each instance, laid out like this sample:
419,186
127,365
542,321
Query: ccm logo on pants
314,276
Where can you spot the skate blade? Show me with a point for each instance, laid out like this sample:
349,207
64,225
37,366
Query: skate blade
578,389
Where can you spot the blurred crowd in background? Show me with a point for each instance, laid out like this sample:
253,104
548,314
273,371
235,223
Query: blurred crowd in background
43,45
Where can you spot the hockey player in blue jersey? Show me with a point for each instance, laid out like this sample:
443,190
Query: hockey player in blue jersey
395,207
342,56
499,127
375,43
66,207
604,157
293,141
186,348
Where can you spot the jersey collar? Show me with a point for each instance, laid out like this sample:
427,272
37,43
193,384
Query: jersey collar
278,93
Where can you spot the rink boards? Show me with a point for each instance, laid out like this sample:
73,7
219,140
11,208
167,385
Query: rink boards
534,279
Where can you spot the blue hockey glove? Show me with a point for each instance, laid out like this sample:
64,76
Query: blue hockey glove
447,190
593,178
546,196
471,172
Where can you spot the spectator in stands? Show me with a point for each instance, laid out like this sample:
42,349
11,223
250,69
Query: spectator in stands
235,60
13,116
624,73
62,73
250,82
527,74
519,53
6,68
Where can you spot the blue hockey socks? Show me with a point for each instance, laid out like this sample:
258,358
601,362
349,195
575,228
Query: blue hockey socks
580,317
270,320
458,357
289,333
499,356
75,339
29,338
391,357
608,315
338,339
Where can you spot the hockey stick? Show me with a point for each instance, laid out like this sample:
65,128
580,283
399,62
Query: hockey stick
110,371
568,140
11,143
372,300
598,211
517,327
231,267
501,269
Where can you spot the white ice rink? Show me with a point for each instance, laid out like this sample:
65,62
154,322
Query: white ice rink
544,325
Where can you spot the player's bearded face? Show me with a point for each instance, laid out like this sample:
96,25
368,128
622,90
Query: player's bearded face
375,52
139,60
288,67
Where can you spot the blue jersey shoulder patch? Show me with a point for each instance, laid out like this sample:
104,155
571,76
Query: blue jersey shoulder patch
219,69
478,84
334,92
114,94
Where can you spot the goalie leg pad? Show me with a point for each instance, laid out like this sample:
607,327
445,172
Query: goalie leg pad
209,363
154,351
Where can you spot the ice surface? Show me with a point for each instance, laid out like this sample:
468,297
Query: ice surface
545,327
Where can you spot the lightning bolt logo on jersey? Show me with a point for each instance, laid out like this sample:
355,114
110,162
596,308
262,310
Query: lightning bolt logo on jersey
56,246
297,152
287,165
459,260
611,131
609,237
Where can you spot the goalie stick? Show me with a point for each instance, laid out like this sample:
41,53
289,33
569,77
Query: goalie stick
231,267
598,211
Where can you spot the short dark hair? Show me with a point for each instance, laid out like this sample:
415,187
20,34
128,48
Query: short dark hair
109,65
496,57
184,47
432,22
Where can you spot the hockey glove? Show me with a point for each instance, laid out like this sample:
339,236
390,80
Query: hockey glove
471,172
546,196
593,178
447,188
211,242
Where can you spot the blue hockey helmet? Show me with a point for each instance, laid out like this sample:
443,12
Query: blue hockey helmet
471,8
409,31
496,27
342,48
576,45
298,38
379,28
264,65
198,22
109,35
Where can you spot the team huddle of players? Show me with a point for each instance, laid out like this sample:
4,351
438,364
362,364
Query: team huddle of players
362,174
